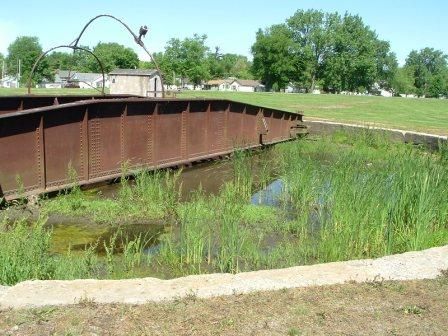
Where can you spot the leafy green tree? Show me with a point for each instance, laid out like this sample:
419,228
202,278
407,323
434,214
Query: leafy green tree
358,59
237,66
386,65
113,56
187,58
274,63
339,53
77,60
438,85
229,65
313,34
216,64
26,50
403,82
59,60
428,67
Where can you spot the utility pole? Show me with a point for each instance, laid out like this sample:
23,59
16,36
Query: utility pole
19,72
3,73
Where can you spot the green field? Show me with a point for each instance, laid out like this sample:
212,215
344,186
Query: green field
426,115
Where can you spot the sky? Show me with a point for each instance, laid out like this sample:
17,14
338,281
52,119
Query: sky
229,24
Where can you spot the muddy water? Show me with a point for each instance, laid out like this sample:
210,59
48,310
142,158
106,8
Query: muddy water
209,176
77,236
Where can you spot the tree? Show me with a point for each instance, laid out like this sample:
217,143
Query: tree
313,34
358,59
59,60
217,66
229,65
313,47
113,56
237,66
438,85
386,65
2,58
428,66
25,50
274,62
187,58
403,82
77,60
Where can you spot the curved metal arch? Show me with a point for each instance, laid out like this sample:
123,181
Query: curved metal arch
30,78
137,40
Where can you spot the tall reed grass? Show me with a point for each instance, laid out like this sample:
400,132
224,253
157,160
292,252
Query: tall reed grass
349,195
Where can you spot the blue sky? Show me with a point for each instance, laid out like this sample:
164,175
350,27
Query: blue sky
230,24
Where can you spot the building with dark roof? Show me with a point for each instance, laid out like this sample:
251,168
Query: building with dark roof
84,80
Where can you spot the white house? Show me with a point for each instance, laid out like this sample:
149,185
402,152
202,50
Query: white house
246,85
85,80
145,83
9,82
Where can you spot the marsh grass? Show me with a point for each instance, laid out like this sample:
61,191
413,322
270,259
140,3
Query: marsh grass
375,198
26,255
346,196
151,195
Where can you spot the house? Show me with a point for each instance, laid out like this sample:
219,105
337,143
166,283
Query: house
246,85
186,84
9,82
218,84
145,83
85,80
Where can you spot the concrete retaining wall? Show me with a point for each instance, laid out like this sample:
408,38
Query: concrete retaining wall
432,141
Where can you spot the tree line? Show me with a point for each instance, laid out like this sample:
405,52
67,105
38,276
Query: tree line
184,59
311,49
27,49
341,53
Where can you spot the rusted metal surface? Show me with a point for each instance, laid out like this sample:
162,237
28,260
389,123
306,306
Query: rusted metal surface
18,103
96,137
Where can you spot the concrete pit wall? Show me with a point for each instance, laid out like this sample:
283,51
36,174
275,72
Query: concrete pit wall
432,141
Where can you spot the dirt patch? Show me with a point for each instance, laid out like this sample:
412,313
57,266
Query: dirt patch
376,308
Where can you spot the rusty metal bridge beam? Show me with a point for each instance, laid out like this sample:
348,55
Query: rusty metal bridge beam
97,137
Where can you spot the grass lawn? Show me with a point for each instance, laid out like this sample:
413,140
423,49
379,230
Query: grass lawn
379,308
427,115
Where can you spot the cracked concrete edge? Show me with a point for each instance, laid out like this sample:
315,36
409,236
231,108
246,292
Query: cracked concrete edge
408,266
327,126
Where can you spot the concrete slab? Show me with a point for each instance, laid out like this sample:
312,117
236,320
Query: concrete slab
408,266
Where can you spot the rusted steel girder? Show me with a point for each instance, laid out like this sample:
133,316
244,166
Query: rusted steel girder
96,137
10,104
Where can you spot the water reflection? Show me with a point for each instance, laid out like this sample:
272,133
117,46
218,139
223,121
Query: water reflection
269,196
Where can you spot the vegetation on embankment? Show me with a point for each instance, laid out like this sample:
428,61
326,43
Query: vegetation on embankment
343,197
377,308
426,115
